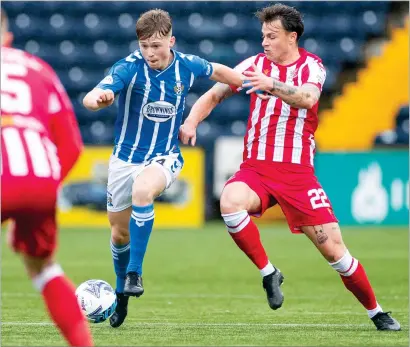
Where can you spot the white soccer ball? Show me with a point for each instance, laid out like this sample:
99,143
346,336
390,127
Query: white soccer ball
97,300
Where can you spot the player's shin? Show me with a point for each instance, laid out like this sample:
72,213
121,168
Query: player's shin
355,280
59,297
121,257
141,223
246,235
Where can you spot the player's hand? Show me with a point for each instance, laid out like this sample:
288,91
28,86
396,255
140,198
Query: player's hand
187,132
105,98
98,98
258,81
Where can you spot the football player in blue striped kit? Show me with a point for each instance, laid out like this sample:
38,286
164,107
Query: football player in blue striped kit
152,84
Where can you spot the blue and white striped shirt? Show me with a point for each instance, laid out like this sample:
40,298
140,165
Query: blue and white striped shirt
151,103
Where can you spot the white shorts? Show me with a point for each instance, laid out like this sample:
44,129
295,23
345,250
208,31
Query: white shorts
121,176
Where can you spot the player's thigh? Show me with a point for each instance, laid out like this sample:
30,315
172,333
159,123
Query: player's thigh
34,233
327,238
119,186
243,191
157,176
302,199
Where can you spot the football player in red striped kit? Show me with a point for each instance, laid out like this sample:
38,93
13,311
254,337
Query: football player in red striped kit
284,83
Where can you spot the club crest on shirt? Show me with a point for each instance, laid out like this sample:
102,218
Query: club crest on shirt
107,80
179,88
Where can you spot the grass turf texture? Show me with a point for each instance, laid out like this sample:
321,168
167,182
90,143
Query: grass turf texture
201,290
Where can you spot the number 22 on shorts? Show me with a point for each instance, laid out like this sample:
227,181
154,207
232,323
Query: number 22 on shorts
318,198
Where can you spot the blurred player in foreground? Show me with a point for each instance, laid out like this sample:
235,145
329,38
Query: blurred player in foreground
152,84
278,158
40,142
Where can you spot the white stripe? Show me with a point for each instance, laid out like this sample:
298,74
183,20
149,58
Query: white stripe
119,250
147,90
192,80
300,123
352,269
156,127
227,296
202,324
282,121
316,73
297,136
312,148
242,225
48,273
17,159
270,108
255,113
246,64
142,215
171,131
126,114
139,219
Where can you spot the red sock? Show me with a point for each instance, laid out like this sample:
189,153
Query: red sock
59,296
359,285
245,233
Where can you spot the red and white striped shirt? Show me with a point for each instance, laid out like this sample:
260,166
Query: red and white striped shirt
276,131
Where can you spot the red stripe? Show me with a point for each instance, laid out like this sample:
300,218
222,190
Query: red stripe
266,69
290,125
251,108
351,265
236,226
273,121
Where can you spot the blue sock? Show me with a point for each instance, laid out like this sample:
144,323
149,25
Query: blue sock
120,257
141,222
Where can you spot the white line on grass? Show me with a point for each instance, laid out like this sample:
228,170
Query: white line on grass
291,325
217,296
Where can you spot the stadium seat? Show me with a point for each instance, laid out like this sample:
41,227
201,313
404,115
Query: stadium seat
402,118
82,40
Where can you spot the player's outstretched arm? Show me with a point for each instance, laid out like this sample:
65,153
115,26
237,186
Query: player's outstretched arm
201,109
305,96
224,74
98,98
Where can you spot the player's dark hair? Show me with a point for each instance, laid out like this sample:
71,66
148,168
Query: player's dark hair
153,22
290,17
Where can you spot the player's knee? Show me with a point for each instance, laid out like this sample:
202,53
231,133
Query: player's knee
335,251
120,234
231,203
142,196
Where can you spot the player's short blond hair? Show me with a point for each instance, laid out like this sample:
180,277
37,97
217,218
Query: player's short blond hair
153,22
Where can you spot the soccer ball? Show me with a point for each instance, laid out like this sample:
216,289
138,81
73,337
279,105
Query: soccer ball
97,300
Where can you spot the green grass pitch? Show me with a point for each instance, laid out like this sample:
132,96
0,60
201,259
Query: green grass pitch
201,290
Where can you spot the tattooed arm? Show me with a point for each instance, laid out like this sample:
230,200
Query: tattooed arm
305,96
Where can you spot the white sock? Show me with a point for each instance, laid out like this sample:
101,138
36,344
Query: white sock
236,221
46,276
346,265
267,270
372,313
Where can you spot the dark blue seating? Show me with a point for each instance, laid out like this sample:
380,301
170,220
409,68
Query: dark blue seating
400,135
82,39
